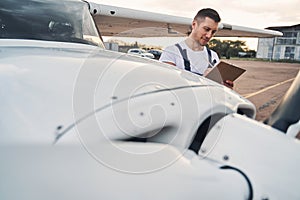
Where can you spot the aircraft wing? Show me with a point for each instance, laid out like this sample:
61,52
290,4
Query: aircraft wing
125,22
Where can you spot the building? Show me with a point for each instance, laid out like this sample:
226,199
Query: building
286,47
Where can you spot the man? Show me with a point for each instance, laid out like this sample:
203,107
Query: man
192,53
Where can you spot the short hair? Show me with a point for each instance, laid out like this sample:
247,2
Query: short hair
208,12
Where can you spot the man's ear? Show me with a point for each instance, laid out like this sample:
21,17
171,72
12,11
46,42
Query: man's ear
194,24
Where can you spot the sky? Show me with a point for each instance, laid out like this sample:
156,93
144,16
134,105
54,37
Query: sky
251,13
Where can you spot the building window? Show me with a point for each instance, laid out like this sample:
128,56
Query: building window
289,34
289,53
285,41
288,38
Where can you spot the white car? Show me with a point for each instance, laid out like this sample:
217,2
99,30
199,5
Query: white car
141,52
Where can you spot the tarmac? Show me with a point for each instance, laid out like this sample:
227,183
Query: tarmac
264,83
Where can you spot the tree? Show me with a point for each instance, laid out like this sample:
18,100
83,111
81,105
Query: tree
227,48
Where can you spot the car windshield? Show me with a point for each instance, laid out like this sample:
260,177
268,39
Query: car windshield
63,21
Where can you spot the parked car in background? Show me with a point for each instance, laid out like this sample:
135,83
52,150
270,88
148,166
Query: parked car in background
156,53
246,54
140,52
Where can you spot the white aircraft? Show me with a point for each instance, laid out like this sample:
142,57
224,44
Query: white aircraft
124,22
80,122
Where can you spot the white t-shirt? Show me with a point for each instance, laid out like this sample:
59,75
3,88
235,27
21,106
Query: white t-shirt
199,61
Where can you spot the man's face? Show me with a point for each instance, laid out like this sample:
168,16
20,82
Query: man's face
204,30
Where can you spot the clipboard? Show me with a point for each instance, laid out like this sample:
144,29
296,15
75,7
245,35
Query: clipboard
224,71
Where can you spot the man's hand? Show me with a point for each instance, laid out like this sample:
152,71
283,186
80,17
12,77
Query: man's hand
207,71
228,84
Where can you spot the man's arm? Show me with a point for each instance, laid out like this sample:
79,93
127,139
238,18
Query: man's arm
167,56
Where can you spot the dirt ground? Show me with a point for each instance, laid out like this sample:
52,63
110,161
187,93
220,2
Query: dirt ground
261,75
